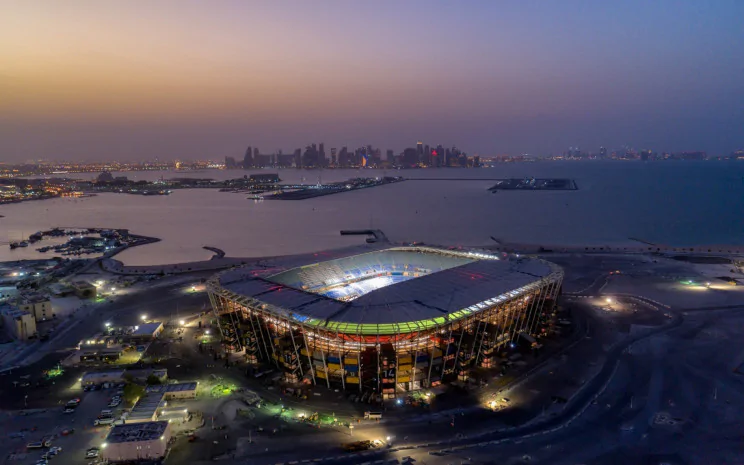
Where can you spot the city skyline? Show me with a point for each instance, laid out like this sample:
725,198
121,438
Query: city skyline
185,80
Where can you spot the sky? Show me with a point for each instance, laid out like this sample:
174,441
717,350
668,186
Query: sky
136,79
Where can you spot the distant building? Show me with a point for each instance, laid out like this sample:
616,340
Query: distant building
344,161
321,154
265,177
36,304
136,442
248,158
105,177
19,324
410,157
230,163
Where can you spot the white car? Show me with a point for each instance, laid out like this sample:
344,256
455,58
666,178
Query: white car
91,453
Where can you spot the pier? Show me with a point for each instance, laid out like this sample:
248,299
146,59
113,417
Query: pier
534,184
377,234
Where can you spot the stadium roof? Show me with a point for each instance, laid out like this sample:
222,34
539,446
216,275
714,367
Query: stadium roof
466,283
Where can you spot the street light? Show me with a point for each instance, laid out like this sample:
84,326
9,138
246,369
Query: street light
609,300
206,332
182,322
143,317
107,324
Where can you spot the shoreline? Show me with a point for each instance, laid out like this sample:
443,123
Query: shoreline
217,263
219,260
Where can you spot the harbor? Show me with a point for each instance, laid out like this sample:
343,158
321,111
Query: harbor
295,192
80,241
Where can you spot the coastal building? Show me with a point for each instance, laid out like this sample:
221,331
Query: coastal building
147,408
264,178
84,289
175,391
120,376
102,377
19,324
136,442
147,331
96,352
8,293
40,306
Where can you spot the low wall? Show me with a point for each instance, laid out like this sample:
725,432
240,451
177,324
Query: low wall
117,267
726,250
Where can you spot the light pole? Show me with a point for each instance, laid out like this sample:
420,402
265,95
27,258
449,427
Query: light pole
25,401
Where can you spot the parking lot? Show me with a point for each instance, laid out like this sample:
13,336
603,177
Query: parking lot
72,429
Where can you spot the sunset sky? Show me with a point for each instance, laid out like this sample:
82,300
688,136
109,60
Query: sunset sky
184,79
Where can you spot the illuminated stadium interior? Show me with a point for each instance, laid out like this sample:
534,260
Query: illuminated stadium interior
349,278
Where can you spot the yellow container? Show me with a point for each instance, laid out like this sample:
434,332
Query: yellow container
320,374
303,352
404,379
350,361
352,379
334,366
405,368
406,359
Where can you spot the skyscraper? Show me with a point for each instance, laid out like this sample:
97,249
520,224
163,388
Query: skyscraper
248,158
343,158
439,155
410,157
321,155
420,151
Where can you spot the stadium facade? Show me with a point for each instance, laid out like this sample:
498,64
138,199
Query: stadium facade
383,319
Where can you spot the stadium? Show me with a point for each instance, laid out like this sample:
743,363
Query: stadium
383,319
